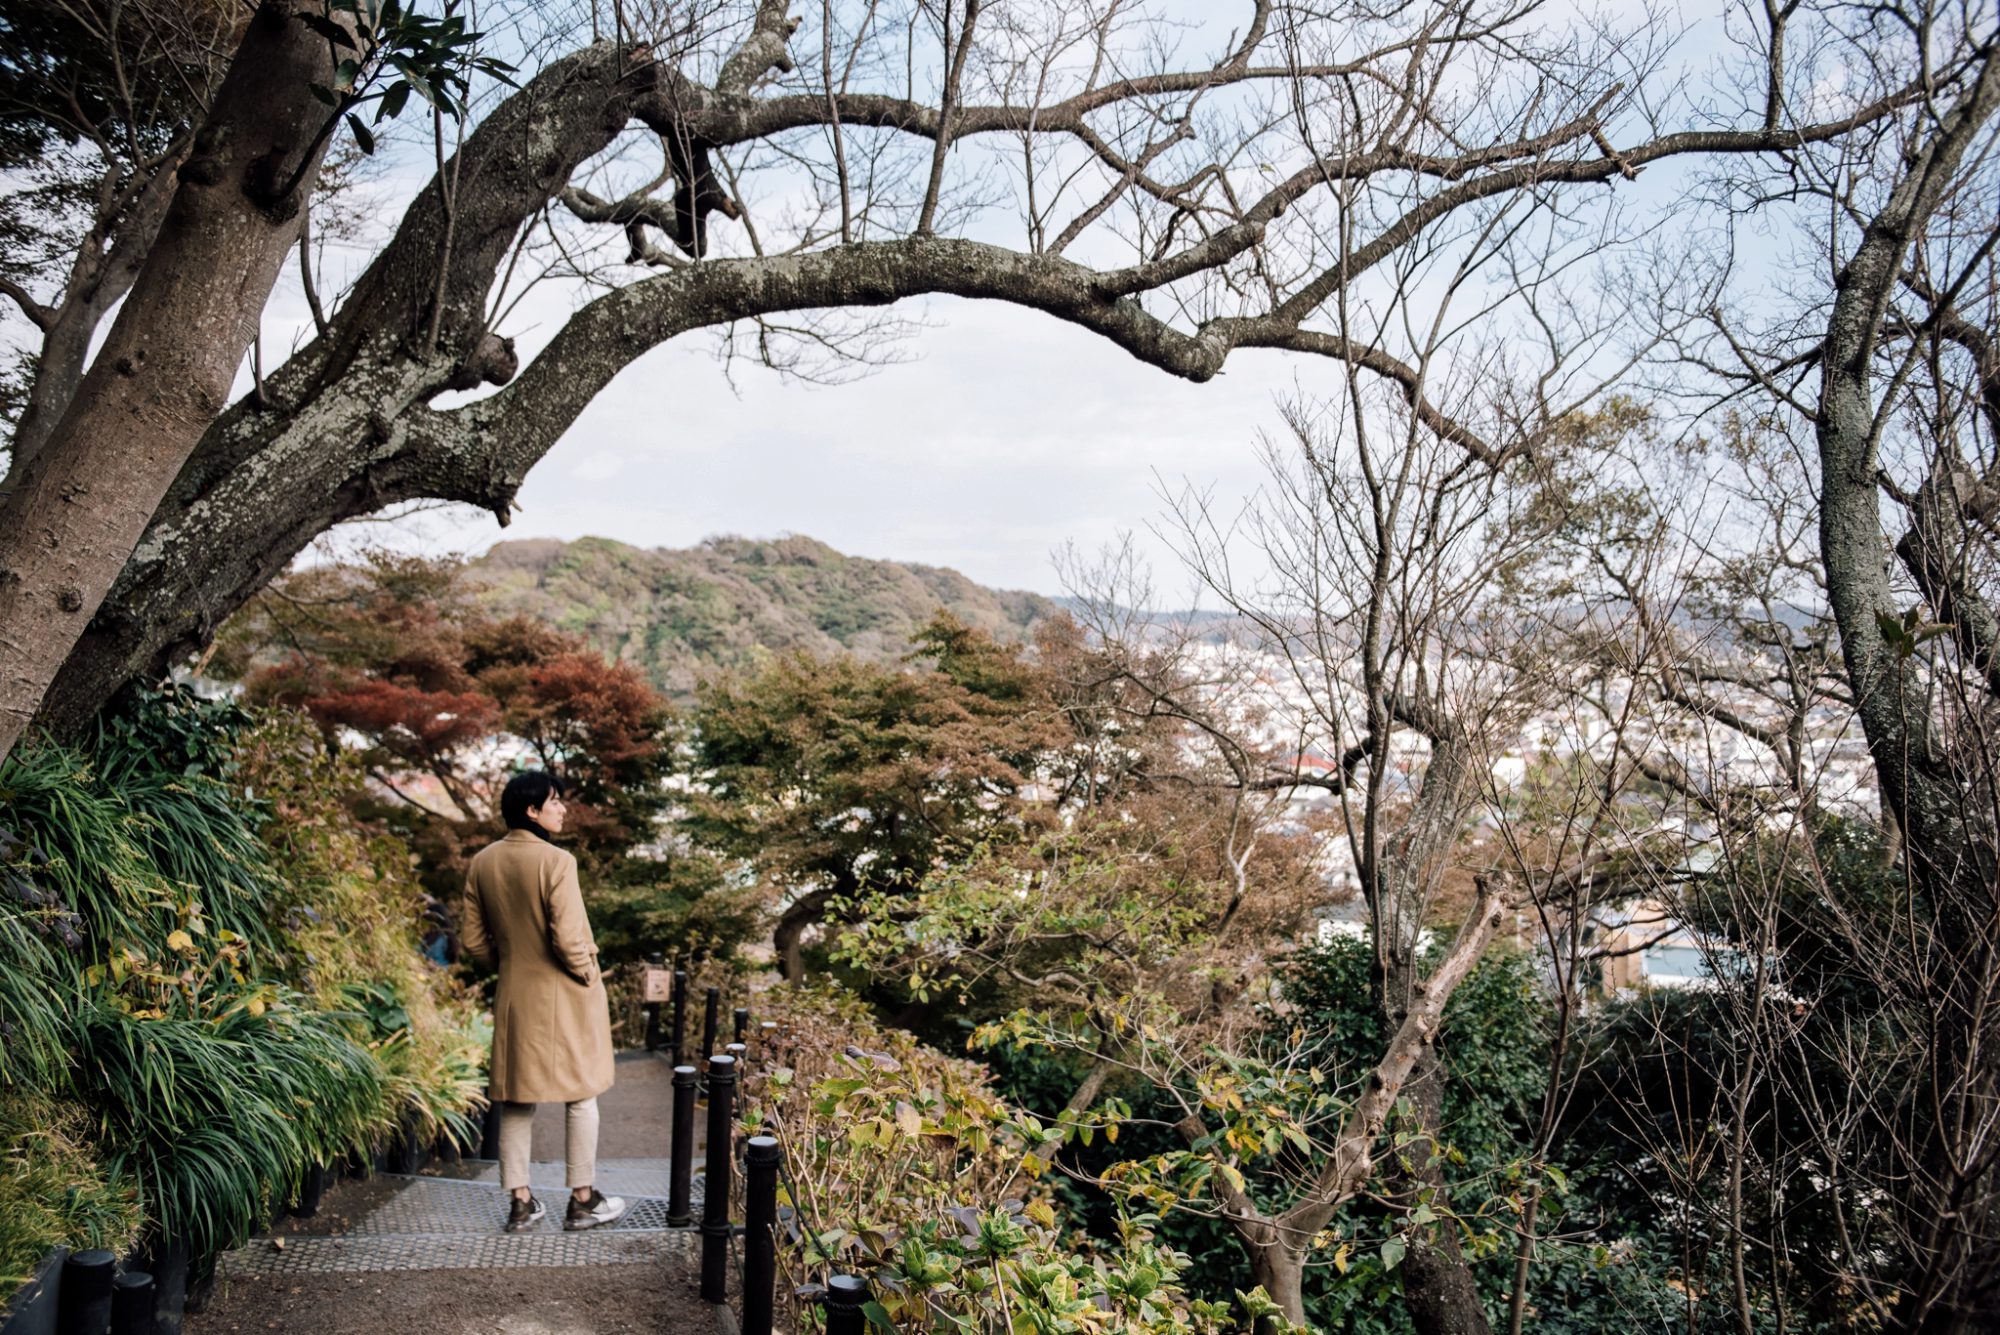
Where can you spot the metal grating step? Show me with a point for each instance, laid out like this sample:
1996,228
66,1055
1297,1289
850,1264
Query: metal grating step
456,1251
441,1205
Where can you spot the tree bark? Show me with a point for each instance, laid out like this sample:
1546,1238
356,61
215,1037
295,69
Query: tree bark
106,266
80,507
1281,1272
1438,1287
1950,1201
787,936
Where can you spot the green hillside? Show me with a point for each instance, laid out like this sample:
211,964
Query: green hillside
678,613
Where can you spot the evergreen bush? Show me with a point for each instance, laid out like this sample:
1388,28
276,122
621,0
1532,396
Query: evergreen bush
212,982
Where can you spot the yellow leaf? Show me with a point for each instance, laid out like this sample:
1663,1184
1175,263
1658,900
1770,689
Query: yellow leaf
180,941
1040,1212
256,1006
908,1120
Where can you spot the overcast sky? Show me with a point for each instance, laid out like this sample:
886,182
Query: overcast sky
1009,434
1005,435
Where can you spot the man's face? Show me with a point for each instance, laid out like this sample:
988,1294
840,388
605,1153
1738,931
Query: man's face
549,815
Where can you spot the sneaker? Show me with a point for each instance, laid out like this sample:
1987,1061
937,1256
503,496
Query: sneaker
524,1215
596,1210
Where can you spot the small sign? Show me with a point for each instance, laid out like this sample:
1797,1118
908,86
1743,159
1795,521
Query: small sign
657,986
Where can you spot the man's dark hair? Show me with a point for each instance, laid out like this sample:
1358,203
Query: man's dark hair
525,791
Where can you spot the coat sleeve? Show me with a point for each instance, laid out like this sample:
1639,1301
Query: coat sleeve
569,928
473,938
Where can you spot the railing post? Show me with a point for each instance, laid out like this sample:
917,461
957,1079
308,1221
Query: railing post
742,1056
846,1295
312,1186
760,1234
85,1305
716,1165
654,961
680,1017
742,1023
133,1302
767,1037
708,1020
680,1180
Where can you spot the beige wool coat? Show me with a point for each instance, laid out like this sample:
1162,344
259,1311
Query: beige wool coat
523,909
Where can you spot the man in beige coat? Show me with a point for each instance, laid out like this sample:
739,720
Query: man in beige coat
551,1023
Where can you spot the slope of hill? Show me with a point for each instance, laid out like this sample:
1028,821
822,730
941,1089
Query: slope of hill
678,613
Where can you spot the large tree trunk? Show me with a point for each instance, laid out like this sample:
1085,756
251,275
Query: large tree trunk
1949,1202
341,429
72,521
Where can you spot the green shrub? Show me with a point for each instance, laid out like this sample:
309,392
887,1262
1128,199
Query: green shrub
1494,1044
347,909
213,1114
904,1165
215,970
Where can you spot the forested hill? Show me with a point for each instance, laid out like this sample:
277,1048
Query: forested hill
678,613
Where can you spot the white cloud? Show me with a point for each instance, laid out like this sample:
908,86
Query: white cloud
1010,434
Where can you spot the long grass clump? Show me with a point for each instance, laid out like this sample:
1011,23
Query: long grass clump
215,975
214,1116
54,1191
34,1021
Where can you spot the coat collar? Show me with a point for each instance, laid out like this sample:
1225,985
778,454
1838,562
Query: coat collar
522,836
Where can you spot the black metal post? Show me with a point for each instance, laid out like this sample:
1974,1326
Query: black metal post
742,1055
167,1263
767,1036
846,1295
760,1233
311,1188
132,1304
85,1305
680,1017
716,1165
708,1020
742,1023
680,1180
407,1154
653,1009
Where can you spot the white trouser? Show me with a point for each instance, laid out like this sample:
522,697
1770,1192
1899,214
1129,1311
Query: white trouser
517,1122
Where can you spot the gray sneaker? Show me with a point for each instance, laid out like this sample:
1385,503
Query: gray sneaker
524,1215
594,1211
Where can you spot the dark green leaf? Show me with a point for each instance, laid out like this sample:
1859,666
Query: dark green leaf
393,100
